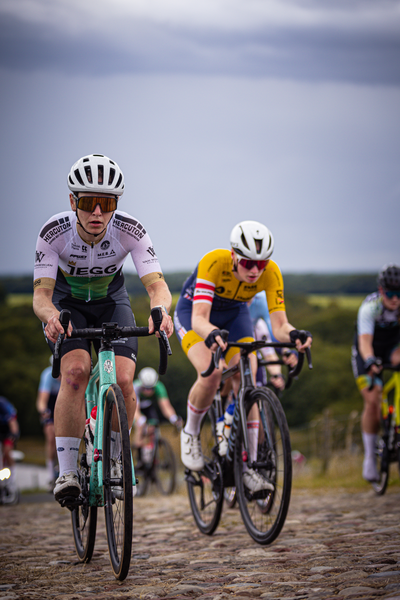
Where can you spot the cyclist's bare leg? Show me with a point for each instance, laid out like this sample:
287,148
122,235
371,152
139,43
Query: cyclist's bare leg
395,357
370,418
125,368
203,390
69,411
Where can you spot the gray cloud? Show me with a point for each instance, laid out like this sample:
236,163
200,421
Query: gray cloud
355,42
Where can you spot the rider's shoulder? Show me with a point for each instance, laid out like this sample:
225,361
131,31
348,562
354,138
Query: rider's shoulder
57,223
218,256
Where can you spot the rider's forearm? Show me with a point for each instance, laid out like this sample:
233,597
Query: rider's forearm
159,295
43,306
365,346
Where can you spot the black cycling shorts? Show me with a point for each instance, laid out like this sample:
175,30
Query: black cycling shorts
115,308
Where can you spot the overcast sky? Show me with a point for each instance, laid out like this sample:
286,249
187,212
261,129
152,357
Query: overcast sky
285,112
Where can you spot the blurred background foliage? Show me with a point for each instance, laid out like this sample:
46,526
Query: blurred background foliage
322,304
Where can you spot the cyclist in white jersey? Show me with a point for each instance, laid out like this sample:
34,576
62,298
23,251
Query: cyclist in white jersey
377,340
79,257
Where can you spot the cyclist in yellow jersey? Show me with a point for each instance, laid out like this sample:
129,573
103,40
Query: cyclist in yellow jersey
215,297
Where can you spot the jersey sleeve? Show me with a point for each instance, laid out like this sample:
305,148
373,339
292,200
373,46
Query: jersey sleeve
160,390
274,287
208,271
366,318
136,241
48,248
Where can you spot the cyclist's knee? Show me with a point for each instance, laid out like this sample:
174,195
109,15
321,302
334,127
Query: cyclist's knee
75,370
125,382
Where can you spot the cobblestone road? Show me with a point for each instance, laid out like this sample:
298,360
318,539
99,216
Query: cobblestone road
333,545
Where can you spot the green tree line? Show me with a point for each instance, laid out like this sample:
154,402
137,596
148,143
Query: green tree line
303,284
24,354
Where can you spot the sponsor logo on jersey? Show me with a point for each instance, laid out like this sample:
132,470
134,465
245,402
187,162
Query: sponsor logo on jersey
39,257
129,226
54,229
106,254
85,271
84,256
151,251
105,245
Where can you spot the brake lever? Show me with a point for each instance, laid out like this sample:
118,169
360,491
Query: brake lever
64,319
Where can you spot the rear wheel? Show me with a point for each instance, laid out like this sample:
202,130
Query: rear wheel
382,464
84,517
165,467
264,511
205,487
141,472
117,481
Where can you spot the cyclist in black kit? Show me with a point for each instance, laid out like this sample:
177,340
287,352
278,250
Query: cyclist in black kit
79,258
377,340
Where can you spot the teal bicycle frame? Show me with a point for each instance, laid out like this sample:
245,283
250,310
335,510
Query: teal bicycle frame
99,382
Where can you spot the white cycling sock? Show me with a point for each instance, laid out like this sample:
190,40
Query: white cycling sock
369,441
194,419
67,452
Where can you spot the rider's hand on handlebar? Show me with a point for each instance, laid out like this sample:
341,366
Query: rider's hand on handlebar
54,328
302,339
214,339
167,325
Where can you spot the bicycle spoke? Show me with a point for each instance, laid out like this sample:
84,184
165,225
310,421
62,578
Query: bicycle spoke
264,511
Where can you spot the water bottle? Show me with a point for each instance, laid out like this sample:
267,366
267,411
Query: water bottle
89,435
222,445
224,425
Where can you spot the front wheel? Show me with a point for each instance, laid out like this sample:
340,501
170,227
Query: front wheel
84,516
165,467
117,482
269,462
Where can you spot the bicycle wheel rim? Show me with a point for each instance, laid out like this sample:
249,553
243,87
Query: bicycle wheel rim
165,467
382,460
264,512
84,517
205,488
118,499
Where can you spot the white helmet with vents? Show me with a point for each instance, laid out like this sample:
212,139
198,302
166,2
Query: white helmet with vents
148,377
252,240
96,173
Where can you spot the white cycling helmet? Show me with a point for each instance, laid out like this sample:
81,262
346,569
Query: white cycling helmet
148,377
96,173
250,239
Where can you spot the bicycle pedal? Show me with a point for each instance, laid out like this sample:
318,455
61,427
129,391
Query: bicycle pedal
70,502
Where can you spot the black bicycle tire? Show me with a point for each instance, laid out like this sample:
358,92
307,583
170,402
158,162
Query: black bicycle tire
383,466
84,517
279,461
197,480
119,539
171,482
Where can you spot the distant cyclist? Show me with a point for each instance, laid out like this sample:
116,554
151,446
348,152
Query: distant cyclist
262,331
148,390
45,403
215,297
377,341
9,434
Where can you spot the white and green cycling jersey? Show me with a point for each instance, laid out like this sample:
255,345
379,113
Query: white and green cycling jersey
69,265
